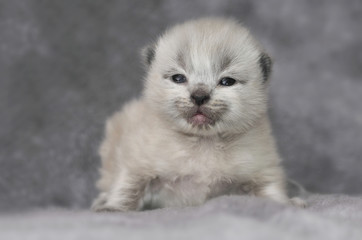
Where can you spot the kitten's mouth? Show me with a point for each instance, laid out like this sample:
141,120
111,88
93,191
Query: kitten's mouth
199,118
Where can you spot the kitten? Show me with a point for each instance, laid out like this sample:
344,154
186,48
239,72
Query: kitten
200,129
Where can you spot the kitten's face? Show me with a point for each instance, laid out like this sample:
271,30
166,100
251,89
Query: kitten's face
207,79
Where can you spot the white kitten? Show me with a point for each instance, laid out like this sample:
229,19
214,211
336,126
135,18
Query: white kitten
199,130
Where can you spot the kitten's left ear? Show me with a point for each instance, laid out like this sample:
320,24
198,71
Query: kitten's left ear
148,54
266,64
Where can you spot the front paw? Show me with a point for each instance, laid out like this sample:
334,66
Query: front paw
105,208
298,202
101,204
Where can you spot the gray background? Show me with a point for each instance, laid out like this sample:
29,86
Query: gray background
66,65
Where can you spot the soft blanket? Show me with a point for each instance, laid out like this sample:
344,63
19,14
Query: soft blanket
229,217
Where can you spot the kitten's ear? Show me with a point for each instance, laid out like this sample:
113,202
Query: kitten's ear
148,54
266,64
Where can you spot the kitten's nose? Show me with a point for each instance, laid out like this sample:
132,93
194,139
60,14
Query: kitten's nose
200,97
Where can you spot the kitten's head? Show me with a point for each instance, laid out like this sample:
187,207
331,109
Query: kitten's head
208,76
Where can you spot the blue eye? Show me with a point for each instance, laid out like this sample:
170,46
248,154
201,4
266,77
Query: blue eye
227,81
179,78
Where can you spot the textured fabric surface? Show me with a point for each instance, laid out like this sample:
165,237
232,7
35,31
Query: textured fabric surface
328,217
67,65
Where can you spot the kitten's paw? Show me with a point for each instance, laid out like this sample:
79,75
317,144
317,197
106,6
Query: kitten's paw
99,202
106,208
298,202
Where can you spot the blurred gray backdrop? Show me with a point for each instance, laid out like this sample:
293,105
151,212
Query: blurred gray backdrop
66,65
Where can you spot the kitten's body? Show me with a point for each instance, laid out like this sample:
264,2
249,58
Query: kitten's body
165,150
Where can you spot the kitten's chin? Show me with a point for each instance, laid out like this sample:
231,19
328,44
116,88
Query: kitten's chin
198,125
200,119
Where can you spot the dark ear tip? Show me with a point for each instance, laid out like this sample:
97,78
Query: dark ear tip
266,64
148,54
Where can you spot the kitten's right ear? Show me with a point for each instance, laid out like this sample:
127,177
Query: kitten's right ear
148,54
266,64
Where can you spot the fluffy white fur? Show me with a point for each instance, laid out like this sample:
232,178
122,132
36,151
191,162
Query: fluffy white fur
154,155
